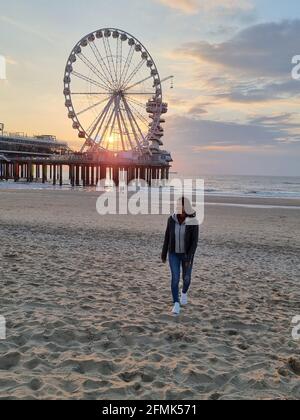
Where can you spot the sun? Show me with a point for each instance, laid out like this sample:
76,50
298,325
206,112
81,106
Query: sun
111,139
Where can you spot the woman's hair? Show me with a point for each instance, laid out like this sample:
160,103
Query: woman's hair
184,203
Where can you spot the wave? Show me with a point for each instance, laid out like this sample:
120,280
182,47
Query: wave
210,190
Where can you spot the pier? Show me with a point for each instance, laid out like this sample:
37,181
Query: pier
45,159
79,170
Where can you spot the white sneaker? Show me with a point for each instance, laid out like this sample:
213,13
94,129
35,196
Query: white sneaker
176,309
184,299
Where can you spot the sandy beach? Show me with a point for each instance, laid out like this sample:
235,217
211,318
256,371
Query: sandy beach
87,302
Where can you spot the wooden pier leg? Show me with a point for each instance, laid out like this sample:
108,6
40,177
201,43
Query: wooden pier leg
16,172
87,175
44,171
77,180
168,174
149,177
28,172
92,175
97,174
143,173
72,172
134,174
31,172
7,171
61,175
163,174
54,174
116,175
83,170
103,173
129,175
157,173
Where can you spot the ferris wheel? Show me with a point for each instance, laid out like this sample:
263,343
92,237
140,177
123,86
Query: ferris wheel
113,93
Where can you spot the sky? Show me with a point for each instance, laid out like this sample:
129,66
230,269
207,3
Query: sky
234,108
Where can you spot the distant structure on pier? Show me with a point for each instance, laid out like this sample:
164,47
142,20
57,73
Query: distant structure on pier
21,145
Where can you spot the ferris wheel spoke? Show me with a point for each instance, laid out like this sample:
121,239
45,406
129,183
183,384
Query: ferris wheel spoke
92,125
136,123
138,127
138,103
112,59
138,83
118,58
99,59
139,93
91,66
103,121
101,63
127,64
108,122
133,124
142,123
102,60
120,64
126,129
90,93
101,118
109,58
141,116
114,117
133,73
92,106
87,79
120,128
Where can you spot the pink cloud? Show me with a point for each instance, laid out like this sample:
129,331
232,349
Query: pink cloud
195,6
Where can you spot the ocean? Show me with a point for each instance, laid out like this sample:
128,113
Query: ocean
230,186
253,186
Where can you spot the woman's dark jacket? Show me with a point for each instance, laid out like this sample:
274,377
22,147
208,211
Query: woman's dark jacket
191,238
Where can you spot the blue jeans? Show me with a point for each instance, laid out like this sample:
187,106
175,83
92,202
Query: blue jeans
176,261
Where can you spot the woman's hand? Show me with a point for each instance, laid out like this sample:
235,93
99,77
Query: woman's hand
164,260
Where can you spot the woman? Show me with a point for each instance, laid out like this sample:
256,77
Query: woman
181,242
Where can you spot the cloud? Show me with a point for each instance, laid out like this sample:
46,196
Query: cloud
253,66
207,146
260,50
197,110
205,132
185,6
267,91
273,120
227,7
27,29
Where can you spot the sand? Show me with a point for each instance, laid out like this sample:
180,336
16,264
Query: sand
87,303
